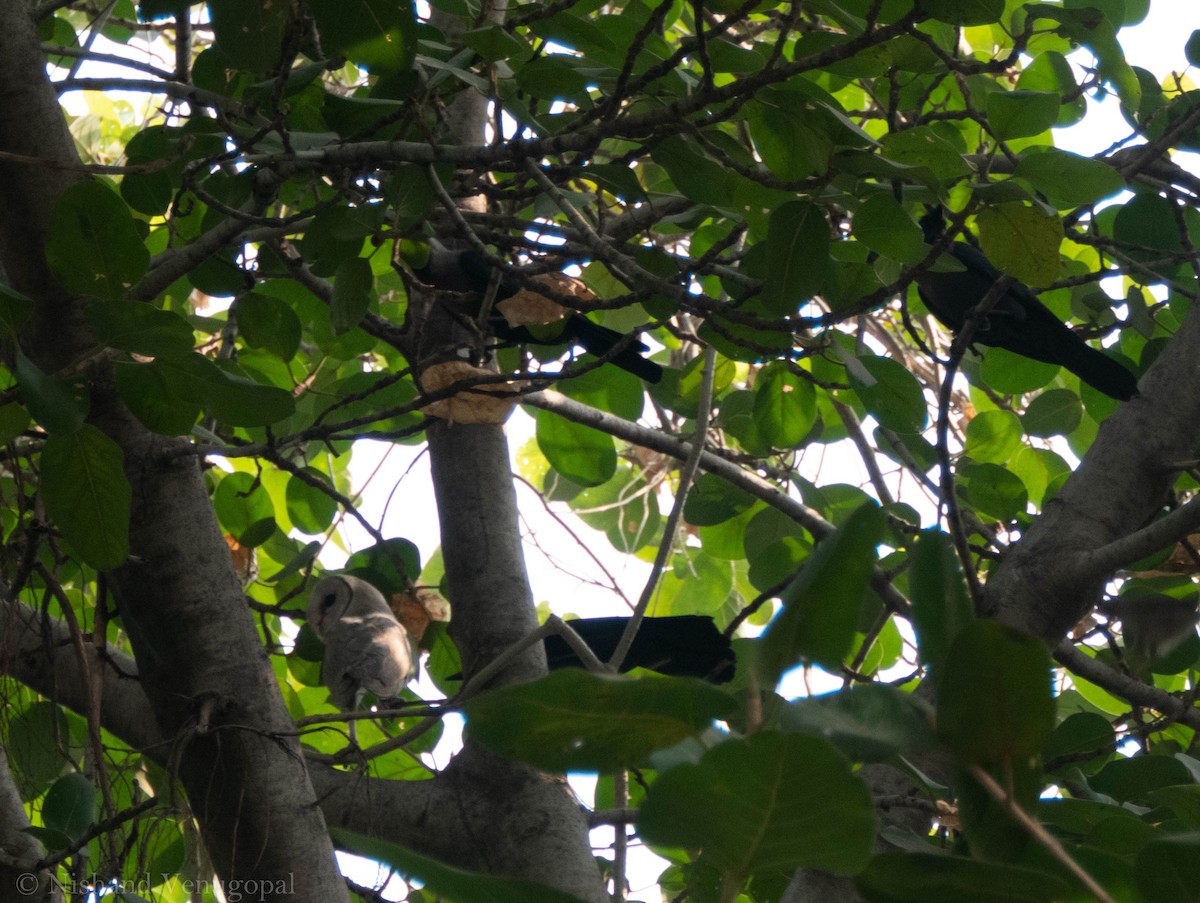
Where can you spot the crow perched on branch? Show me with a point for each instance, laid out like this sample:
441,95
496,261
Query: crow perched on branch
680,645
465,270
1018,322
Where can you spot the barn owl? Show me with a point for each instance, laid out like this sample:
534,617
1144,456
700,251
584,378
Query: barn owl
366,648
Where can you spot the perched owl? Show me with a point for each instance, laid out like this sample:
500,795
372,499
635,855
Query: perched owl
366,648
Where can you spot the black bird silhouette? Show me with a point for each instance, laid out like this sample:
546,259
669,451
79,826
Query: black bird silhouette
1018,322
680,645
466,270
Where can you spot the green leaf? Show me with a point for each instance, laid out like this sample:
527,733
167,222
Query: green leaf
607,389
14,420
581,454
352,288
785,406
1084,733
446,882
1050,71
310,510
964,12
268,322
1057,412
249,34
1068,180
1009,373
573,720
895,398
798,256
32,745
14,310
147,391
1133,779
244,509
1022,241
380,35
994,703
883,225
93,245
87,495
141,329
941,607
1166,869
867,722
713,501
937,878
56,404
768,802
921,146
820,607
996,491
1021,114
70,806
993,436
1191,49
236,401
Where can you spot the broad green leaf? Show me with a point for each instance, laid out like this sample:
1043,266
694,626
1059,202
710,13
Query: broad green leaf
32,745
1166,869
1050,71
1009,373
993,436
910,877
713,501
352,289
14,310
1148,222
1068,180
820,607
14,420
921,146
798,254
608,389
867,722
785,406
994,699
895,398
793,144
56,404
1084,733
244,508
767,802
883,225
70,805
581,454
1022,241
380,35
310,510
268,322
141,329
987,824
1133,779
1053,413
147,391
941,607
964,12
249,34
93,246
238,402
1021,114
87,495
573,720
996,491
446,882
